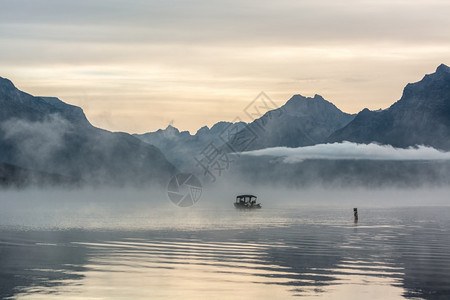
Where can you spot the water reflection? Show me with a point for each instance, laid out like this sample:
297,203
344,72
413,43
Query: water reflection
380,258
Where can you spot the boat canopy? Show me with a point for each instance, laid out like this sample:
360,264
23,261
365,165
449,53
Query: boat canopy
246,198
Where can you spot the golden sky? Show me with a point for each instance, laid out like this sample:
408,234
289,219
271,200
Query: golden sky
137,66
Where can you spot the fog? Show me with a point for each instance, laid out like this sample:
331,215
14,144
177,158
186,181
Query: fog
328,176
151,209
63,149
348,150
36,142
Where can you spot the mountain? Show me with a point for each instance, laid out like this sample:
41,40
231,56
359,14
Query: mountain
15,177
44,135
300,122
329,173
420,117
181,147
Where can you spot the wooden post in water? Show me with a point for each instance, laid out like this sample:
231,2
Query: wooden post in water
355,214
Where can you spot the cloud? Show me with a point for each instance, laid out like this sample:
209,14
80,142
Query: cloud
352,151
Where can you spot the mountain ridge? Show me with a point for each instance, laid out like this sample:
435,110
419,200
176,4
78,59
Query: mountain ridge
420,116
46,135
301,121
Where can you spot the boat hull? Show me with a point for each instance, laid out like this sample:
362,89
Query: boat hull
243,206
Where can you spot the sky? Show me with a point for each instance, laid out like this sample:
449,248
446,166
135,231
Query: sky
140,65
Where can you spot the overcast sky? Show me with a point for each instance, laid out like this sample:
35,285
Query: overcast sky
138,66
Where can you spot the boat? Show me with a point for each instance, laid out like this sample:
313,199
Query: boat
246,202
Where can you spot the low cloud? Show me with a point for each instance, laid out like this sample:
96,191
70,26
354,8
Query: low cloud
348,150
36,142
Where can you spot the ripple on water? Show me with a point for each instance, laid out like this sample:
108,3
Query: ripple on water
300,258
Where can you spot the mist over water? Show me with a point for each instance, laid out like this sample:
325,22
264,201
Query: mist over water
130,209
135,243
86,213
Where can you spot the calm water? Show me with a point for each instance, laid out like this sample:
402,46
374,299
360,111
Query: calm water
228,254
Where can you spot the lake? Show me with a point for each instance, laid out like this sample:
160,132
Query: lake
205,253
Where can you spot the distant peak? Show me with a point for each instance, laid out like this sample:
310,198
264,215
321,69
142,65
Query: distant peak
6,82
171,128
298,96
443,68
202,129
318,97
365,111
